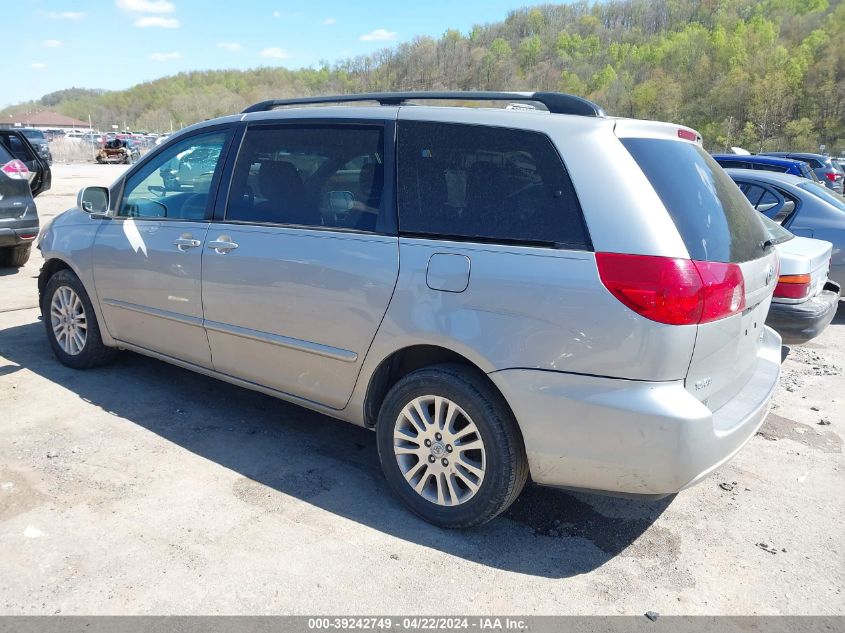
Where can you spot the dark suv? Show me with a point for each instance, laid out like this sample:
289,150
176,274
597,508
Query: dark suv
23,175
39,142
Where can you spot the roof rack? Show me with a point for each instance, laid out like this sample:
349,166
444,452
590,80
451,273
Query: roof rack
555,102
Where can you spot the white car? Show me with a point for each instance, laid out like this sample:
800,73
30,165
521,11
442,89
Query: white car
805,300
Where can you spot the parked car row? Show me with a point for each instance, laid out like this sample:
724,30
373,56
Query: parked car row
818,167
459,280
828,170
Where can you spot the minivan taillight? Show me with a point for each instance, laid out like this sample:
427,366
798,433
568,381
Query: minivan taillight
793,286
672,290
15,169
831,175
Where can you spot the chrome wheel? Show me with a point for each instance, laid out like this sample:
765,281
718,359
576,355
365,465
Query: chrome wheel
439,450
69,321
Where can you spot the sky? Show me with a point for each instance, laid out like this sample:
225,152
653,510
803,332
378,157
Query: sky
114,44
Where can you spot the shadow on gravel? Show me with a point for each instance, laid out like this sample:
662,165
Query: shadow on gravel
334,466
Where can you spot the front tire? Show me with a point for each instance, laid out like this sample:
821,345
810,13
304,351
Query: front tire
450,447
71,323
15,256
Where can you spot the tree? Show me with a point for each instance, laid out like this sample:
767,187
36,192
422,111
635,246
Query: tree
530,50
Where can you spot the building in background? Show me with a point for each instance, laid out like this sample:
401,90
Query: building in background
45,120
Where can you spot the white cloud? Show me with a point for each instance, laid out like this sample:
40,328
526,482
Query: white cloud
62,15
52,44
37,65
329,21
232,47
275,52
157,21
379,35
146,6
164,57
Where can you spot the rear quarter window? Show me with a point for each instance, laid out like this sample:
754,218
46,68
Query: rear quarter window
484,184
713,217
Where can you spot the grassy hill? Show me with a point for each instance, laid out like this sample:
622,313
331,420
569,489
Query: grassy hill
764,74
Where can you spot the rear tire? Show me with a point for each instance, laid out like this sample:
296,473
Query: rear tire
71,323
15,256
463,462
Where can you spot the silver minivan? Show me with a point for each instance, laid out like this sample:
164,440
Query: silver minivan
501,293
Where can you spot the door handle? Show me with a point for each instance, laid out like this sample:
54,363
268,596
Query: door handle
223,245
184,243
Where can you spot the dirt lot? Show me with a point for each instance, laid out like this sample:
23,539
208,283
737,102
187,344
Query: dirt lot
143,488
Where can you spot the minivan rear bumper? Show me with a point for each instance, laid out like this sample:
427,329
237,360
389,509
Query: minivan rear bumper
633,437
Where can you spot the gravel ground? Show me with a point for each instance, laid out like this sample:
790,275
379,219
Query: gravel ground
142,488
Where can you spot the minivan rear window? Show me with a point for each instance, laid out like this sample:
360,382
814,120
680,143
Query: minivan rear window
712,215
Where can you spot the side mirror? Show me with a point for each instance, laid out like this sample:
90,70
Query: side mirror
93,200
340,201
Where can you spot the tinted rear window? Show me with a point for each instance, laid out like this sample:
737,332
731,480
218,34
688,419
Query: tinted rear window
5,156
33,134
485,184
714,219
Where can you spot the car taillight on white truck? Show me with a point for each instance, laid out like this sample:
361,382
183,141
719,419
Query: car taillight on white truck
793,286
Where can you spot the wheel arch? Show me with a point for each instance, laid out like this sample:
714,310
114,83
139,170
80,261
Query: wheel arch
50,268
52,265
403,361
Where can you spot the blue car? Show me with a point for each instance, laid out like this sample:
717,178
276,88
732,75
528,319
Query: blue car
766,163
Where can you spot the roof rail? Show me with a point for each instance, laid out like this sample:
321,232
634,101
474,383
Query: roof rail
556,102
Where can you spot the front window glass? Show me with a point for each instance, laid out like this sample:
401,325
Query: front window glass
175,184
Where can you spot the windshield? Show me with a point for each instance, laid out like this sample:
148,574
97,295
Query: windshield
778,234
825,194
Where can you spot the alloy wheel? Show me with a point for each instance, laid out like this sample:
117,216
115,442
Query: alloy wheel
439,450
69,321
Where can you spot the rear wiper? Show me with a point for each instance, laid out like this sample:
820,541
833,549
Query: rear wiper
767,244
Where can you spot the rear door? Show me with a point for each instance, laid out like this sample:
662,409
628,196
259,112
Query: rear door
717,224
301,262
15,198
18,145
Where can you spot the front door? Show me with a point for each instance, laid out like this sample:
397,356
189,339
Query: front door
147,256
298,273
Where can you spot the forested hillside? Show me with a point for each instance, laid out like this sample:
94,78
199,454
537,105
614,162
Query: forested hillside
764,74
